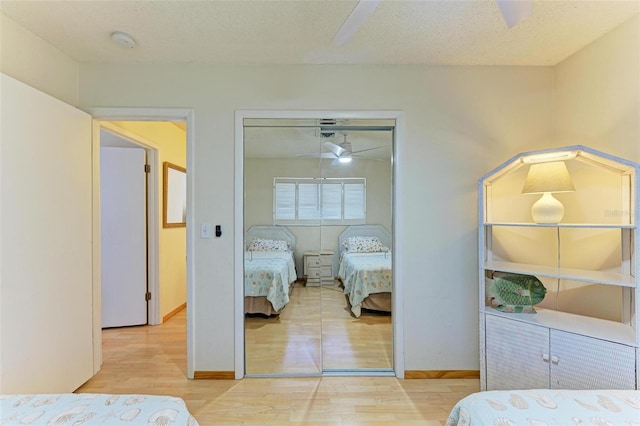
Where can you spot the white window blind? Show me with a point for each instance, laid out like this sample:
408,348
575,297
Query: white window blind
308,201
354,201
311,201
285,201
331,201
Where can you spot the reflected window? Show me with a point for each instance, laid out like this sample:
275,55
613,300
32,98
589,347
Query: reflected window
309,201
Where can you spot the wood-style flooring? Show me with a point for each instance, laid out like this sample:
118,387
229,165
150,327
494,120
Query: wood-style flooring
152,360
316,330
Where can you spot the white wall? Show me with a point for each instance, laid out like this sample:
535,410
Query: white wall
27,58
460,123
597,94
259,174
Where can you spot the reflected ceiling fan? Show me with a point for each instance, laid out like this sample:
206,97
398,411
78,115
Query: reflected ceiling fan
342,152
513,12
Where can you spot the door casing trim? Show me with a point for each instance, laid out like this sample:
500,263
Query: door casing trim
158,114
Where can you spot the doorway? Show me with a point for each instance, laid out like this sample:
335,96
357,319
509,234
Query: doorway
122,122
184,118
322,329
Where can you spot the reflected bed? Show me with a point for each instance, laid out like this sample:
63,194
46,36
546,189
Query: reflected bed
365,268
269,269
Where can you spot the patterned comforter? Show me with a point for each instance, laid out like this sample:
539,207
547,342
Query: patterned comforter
548,407
363,274
94,409
269,274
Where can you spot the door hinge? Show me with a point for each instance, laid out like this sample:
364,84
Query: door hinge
147,296
147,168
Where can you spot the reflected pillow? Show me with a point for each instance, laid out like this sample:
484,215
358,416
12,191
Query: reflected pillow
364,245
265,244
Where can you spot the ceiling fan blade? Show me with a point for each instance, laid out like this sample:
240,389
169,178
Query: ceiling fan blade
368,149
370,158
356,18
515,11
318,155
336,149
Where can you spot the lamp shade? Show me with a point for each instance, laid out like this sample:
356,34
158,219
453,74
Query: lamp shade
548,177
545,178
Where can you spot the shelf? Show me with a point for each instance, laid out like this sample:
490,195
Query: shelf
582,275
562,225
602,233
601,329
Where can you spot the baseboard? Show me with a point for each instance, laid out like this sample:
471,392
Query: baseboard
214,375
442,374
175,311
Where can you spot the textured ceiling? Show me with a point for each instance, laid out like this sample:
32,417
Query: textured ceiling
447,32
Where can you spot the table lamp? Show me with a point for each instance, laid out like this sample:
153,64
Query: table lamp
545,178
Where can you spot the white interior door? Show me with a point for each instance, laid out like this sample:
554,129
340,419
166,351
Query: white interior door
123,234
46,326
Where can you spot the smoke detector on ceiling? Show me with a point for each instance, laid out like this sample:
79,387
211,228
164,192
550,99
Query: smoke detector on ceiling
123,39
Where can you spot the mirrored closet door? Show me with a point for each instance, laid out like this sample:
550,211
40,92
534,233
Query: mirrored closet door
318,246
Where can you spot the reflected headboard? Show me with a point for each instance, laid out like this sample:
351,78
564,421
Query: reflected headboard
271,232
366,231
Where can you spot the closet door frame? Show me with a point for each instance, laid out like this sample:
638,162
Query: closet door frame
397,203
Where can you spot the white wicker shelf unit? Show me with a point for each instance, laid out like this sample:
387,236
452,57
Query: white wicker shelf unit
586,331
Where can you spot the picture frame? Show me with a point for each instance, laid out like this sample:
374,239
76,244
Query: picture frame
174,200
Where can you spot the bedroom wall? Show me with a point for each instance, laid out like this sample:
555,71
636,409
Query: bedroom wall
171,143
259,174
37,63
460,122
597,94
597,104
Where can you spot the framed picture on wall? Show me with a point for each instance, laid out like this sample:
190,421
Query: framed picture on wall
174,200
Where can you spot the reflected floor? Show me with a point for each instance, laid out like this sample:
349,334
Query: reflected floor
290,342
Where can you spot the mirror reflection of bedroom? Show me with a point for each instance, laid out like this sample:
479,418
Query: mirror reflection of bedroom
318,246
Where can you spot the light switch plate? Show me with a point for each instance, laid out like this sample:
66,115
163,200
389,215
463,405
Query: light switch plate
205,230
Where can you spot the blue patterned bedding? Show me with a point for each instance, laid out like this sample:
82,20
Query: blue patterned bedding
363,274
548,407
94,409
269,274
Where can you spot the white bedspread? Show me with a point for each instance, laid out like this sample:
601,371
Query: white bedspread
363,274
269,273
94,409
541,407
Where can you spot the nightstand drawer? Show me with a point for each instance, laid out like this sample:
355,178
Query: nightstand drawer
320,272
318,261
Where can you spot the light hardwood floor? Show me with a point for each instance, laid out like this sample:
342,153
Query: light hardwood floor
152,360
317,330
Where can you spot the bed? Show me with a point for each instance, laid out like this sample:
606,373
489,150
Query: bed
365,267
548,407
94,409
269,269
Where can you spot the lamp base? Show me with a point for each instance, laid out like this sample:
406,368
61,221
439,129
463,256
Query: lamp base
547,209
